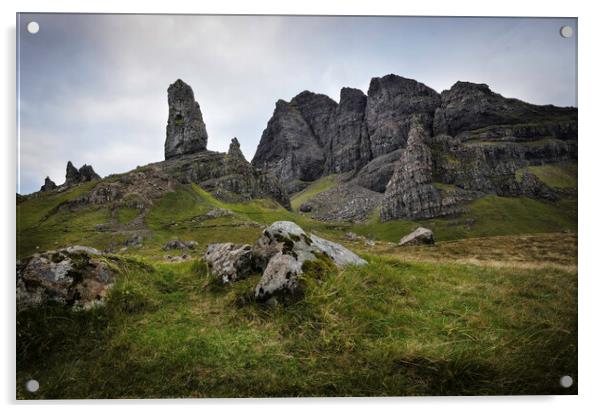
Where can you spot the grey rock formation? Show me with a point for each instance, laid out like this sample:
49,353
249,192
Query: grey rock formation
419,236
49,185
74,176
411,193
392,102
289,149
344,202
230,262
475,142
469,106
186,132
72,276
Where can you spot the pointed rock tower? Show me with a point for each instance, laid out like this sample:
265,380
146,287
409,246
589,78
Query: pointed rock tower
186,132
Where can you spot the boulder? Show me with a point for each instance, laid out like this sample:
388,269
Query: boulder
230,262
286,244
305,207
176,244
417,237
279,278
73,276
218,212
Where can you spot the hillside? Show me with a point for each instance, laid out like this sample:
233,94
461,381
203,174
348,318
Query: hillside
150,283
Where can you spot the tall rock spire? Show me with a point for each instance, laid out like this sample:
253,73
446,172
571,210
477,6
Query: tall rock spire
186,131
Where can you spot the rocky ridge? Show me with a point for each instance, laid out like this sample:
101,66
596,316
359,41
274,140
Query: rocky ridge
474,143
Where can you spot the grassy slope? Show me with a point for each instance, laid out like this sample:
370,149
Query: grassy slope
312,190
475,316
390,328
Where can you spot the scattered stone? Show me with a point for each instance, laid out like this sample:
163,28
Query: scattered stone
218,212
72,276
49,185
177,258
230,261
134,241
417,237
305,207
176,244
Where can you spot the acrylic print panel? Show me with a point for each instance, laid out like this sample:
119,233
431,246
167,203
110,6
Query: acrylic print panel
268,206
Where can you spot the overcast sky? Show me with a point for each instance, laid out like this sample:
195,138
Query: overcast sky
93,88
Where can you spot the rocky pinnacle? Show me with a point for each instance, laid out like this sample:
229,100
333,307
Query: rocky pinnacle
186,131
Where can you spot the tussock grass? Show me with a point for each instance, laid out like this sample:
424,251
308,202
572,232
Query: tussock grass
392,327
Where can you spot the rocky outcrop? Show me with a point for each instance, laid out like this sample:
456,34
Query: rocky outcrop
74,276
49,185
289,149
75,176
392,102
477,140
344,202
469,106
419,236
411,193
186,132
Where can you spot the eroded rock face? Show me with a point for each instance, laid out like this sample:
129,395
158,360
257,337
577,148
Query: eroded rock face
288,148
74,276
419,236
230,262
411,193
49,185
469,106
392,102
186,132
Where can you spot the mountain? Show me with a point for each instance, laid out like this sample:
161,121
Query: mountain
468,139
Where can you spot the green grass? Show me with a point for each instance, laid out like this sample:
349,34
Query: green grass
487,216
320,185
125,215
389,328
559,175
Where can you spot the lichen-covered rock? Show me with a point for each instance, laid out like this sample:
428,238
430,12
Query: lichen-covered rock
284,246
49,185
73,276
419,236
230,262
186,132
281,277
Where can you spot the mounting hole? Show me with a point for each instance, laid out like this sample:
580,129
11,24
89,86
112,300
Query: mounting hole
566,31
32,386
33,27
566,381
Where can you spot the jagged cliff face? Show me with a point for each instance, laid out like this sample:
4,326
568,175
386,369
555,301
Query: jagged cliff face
186,132
472,142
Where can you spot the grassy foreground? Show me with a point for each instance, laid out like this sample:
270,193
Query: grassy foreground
393,327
